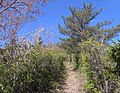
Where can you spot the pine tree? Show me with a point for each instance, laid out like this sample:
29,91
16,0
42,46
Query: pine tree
78,28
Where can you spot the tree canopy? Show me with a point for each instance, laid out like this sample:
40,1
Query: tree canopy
78,27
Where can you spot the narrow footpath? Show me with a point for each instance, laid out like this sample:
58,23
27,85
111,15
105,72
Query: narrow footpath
73,83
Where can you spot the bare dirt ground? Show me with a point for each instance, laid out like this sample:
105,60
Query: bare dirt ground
73,82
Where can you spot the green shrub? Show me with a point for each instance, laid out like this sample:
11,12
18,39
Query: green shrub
38,71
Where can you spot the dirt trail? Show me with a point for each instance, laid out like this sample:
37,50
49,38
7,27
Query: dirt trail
73,81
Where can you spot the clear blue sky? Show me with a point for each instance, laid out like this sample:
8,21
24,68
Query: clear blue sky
56,8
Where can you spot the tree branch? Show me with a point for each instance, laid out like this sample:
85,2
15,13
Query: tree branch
7,7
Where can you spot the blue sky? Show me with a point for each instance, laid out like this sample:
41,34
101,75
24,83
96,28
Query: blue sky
55,9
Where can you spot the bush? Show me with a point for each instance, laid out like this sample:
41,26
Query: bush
39,71
98,78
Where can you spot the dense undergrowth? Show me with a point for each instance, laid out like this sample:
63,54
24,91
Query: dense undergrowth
99,66
98,78
36,72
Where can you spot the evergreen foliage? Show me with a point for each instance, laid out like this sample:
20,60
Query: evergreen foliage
115,55
77,28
